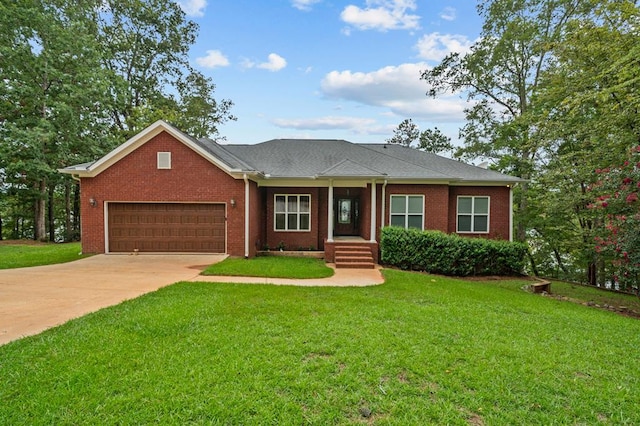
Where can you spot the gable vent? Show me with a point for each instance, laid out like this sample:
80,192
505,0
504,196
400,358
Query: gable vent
164,160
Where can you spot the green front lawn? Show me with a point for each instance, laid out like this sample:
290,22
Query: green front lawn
272,267
25,255
417,350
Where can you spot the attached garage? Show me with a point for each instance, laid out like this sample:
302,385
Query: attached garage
166,227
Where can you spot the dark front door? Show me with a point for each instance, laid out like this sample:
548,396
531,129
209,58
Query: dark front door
347,215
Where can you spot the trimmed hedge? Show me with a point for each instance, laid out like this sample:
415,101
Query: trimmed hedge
440,253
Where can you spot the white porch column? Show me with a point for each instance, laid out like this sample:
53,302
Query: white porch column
330,213
246,216
373,211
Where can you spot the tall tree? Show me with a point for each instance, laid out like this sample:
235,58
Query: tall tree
587,117
51,90
501,75
146,47
405,134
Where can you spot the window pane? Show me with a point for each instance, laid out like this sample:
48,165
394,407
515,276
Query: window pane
481,205
480,224
292,205
280,203
464,205
398,204
464,223
292,222
415,204
344,210
304,222
397,220
415,221
304,203
280,221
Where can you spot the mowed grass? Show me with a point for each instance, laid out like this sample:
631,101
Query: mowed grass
271,266
417,350
25,255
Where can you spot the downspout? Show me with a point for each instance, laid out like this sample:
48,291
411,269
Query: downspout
330,213
384,203
246,216
510,213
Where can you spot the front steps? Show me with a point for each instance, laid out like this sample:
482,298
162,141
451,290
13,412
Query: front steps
354,256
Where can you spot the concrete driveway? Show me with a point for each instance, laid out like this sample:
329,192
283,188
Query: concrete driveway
34,299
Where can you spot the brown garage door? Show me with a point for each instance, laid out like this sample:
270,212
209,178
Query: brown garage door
166,227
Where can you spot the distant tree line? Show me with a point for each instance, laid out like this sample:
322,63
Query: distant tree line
77,78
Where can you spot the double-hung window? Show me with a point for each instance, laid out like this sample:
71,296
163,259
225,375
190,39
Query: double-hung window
292,212
473,214
407,211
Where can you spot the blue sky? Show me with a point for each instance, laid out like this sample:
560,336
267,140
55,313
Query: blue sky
327,68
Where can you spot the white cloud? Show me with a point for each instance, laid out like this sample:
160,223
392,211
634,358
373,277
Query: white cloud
397,88
214,59
193,7
435,46
304,5
448,14
356,125
275,63
382,15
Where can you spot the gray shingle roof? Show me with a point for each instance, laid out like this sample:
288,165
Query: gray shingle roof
310,158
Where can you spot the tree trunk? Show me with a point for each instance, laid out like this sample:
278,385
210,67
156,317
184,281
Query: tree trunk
592,274
39,222
51,213
68,231
534,268
0,228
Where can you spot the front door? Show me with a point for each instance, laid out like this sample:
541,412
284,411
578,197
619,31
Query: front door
347,215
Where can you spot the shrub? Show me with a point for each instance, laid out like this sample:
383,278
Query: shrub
440,253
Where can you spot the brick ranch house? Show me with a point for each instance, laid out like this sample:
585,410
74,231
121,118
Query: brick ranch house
164,191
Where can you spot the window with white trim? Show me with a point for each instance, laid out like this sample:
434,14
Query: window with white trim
292,212
407,211
164,160
473,214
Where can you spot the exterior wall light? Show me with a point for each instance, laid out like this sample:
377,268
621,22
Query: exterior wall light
233,202
93,202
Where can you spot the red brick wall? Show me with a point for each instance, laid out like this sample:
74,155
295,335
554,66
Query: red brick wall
436,203
498,209
293,240
190,179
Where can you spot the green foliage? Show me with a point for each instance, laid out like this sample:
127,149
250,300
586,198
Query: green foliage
405,134
272,267
440,253
417,350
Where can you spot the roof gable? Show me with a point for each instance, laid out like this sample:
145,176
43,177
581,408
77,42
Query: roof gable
350,168
207,149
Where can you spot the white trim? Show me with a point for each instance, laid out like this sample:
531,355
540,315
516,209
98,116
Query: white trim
246,217
473,214
330,213
406,214
106,218
164,160
286,213
384,204
373,219
140,139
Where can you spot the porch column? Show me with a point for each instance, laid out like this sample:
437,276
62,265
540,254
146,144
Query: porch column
246,216
330,213
373,211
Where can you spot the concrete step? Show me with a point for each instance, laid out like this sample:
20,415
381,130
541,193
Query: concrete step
352,259
355,265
